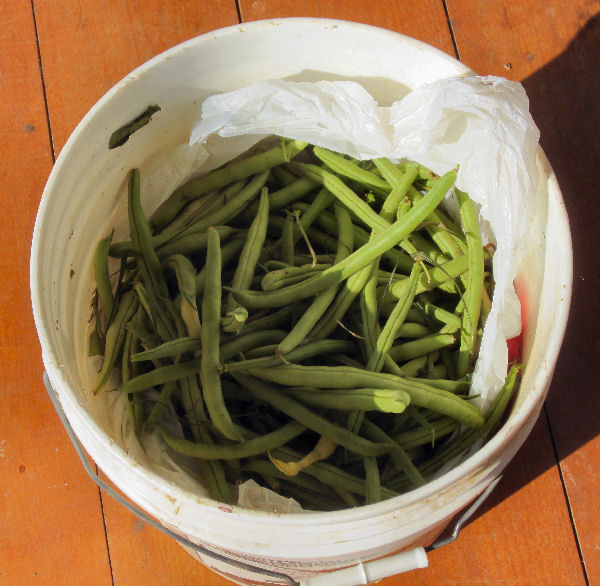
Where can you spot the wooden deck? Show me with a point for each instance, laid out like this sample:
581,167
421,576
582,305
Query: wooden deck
58,57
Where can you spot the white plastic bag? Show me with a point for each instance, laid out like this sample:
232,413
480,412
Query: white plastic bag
481,124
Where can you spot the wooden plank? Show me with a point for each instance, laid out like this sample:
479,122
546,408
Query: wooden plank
422,20
513,539
87,47
43,489
141,554
553,49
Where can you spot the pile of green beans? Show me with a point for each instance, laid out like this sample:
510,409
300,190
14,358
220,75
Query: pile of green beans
310,321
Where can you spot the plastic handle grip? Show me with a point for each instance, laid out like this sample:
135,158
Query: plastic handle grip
371,571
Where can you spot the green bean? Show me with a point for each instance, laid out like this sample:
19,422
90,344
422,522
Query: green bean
369,313
274,265
397,453
286,242
186,276
412,330
403,207
283,175
162,375
115,337
452,386
101,275
162,325
211,312
372,480
336,311
160,404
350,170
269,321
436,371
433,278
264,392
324,299
221,215
228,192
261,352
140,331
332,475
213,472
141,237
234,320
388,334
486,307
248,341
421,346
346,195
357,260
228,253
274,280
440,314
267,468
384,400
389,208
251,447
250,254
193,243
427,249
169,349
321,202
465,440
473,293
420,436
414,367
390,172
252,368
286,195
134,408
314,501
227,349
196,208
421,395
346,360
298,354
231,172
396,258
443,232
369,310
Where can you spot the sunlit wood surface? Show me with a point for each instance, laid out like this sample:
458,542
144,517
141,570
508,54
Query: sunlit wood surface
58,57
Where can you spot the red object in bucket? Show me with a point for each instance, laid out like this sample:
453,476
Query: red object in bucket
515,344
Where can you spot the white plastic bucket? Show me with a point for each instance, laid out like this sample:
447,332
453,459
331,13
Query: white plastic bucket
80,204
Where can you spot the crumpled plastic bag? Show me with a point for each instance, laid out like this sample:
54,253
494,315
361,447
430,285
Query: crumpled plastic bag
481,124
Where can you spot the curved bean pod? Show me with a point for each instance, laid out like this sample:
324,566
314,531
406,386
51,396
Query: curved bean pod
344,377
220,177
339,435
251,447
474,288
211,326
115,337
250,254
